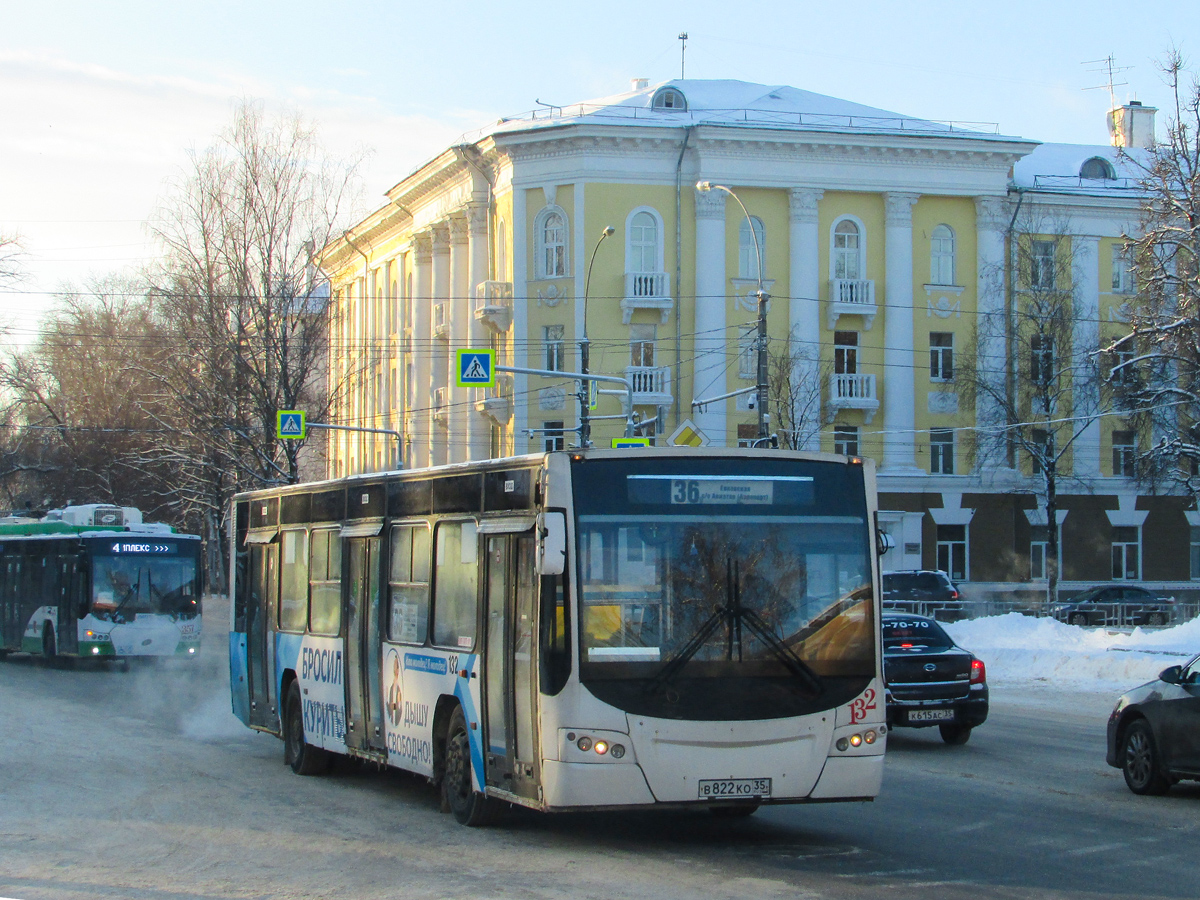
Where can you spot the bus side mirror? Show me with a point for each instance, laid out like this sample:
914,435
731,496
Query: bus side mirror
552,543
883,542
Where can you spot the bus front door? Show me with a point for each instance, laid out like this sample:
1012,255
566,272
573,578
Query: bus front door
264,596
364,703
512,756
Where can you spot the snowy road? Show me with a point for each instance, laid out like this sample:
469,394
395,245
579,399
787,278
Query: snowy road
159,803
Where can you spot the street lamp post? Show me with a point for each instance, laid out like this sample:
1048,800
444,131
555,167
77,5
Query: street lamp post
585,424
763,297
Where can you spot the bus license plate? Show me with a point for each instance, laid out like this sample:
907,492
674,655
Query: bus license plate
733,788
930,715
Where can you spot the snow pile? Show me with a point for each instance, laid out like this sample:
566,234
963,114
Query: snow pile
1019,649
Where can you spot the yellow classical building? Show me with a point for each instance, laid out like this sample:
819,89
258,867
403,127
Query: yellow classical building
882,240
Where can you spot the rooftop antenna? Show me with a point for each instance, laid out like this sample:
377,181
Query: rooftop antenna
682,53
1109,68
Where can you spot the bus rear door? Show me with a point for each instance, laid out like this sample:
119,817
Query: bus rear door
511,587
263,603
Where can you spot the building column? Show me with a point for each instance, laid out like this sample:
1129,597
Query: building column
479,444
418,416
804,308
439,347
1086,338
991,222
899,393
711,342
461,313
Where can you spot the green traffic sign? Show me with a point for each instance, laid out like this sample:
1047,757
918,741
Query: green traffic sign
291,424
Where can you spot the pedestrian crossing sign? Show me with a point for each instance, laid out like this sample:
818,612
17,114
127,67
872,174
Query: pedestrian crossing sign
291,424
475,368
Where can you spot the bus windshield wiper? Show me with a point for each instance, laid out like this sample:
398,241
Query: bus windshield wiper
733,615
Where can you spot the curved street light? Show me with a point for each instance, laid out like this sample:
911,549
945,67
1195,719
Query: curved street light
585,424
704,187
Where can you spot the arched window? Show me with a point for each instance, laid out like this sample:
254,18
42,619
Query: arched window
669,98
847,250
941,255
550,229
643,252
1097,169
748,260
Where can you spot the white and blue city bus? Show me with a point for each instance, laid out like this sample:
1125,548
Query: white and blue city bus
96,581
573,630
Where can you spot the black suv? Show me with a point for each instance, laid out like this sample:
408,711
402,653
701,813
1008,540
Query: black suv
923,592
1115,604
931,680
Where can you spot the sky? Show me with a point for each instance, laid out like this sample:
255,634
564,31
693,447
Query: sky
101,103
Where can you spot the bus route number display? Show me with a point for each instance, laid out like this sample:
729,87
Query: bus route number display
144,548
690,491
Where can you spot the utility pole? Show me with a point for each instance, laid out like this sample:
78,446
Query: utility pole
682,53
585,394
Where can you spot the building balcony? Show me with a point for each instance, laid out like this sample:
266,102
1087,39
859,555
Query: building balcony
493,305
441,409
651,385
498,409
646,290
851,297
854,392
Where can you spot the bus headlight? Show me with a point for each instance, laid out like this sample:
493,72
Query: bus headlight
601,747
584,743
617,751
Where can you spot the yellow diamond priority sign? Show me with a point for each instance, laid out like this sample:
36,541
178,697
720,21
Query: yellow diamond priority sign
688,435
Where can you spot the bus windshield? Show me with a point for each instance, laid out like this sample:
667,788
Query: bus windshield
722,589
124,587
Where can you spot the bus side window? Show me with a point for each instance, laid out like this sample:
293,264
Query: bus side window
456,585
555,636
293,595
325,583
408,584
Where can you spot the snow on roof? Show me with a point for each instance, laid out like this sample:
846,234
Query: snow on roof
734,103
1060,168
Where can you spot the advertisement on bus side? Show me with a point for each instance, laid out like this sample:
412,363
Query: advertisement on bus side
320,667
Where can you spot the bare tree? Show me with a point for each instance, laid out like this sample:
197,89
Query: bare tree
80,427
1155,368
1032,374
794,380
244,305
12,256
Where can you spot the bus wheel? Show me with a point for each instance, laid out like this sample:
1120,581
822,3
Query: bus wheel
304,758
469,808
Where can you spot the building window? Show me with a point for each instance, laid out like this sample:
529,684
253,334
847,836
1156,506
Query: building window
1123,372
1041,360
1038,541
1194,554
551,236
552,436
1097,169
748,259
552,340
748,352
941,356
641,344
1041,440
941,451
941,255
845,352
845,440
952,551
501,253
1041,265
1124,453
847,251
747,434
1126,553
669,98
1122,271
644,251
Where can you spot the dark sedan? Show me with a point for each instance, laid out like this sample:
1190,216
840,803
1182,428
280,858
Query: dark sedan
1154,731
931,680
1115,604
